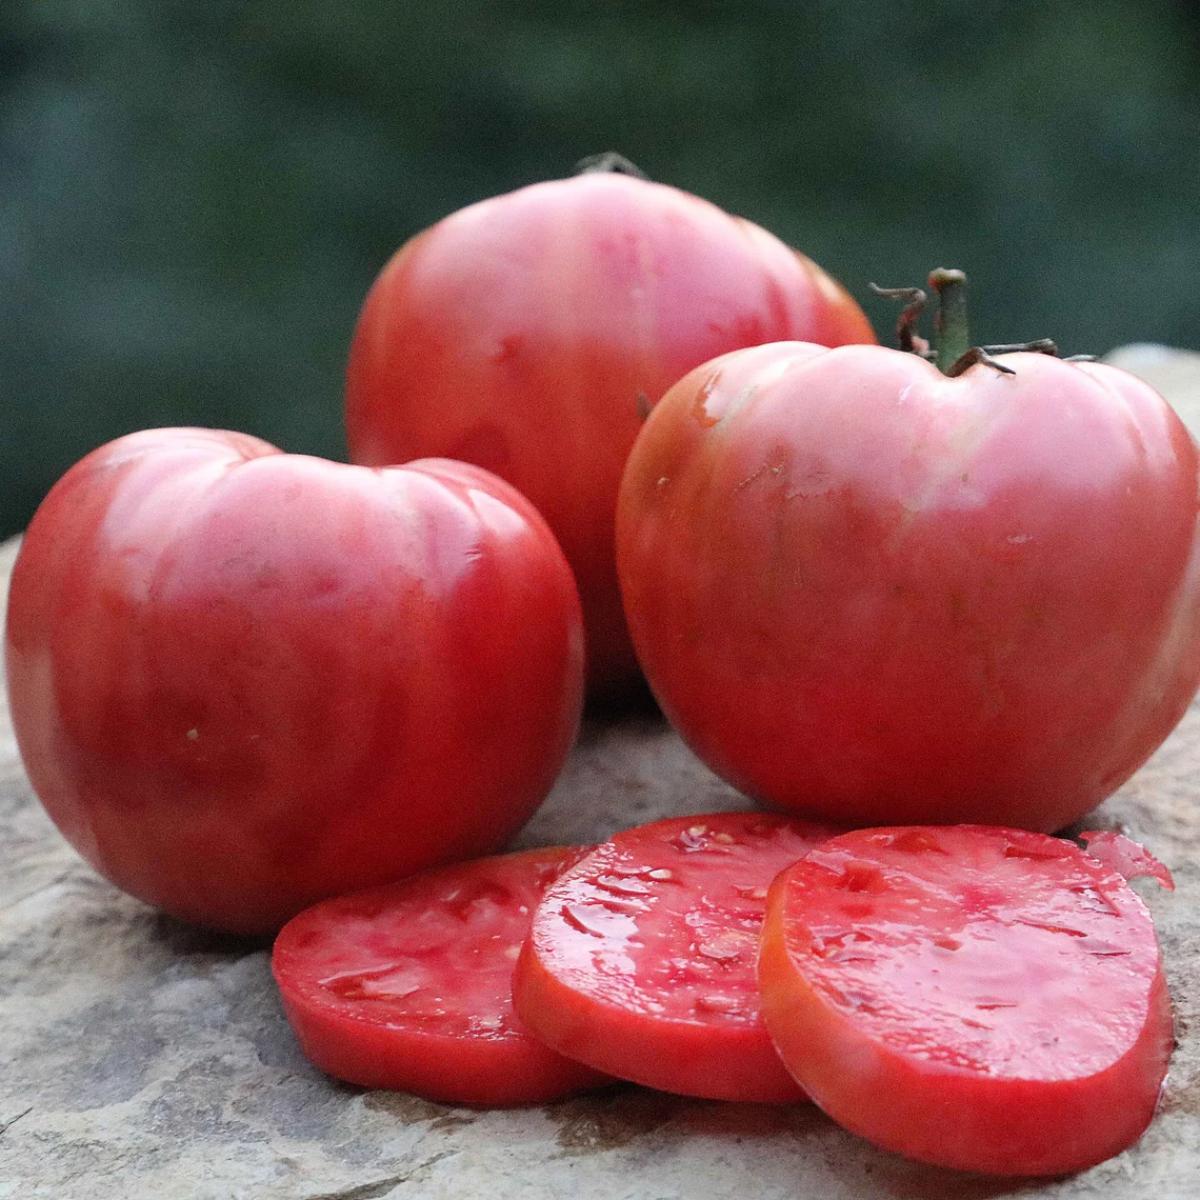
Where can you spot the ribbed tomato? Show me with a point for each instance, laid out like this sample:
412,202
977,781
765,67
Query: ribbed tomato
870,593
244,680
529,333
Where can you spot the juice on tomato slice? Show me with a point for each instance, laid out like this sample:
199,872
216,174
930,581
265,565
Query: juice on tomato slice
642,957
981,998
409,986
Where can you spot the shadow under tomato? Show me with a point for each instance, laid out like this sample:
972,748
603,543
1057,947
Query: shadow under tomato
629,701
627,1116
190,941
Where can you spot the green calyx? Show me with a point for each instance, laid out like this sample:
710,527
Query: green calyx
951,347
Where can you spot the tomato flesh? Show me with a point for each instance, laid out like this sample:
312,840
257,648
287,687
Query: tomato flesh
641,959
973,997
1125,856
409,986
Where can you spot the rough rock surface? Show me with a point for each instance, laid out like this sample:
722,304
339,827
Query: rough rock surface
144,1059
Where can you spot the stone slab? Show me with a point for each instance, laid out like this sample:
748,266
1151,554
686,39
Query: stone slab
140,1058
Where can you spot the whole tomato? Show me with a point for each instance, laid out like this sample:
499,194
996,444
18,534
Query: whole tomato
868,592
530,333
243,680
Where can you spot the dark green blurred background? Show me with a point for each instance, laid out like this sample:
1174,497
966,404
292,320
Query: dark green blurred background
195,196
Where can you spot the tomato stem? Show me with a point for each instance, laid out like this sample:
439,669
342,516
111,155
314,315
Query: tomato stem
952,349
951,331
906,323
608,162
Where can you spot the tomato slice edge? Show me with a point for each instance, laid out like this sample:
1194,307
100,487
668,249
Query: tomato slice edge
349,1040
945,1114
581,990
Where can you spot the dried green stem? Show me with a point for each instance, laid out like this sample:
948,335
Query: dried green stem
951,330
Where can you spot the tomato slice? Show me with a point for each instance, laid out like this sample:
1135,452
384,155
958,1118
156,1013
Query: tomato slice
641,959
1125,856
973,997
409,986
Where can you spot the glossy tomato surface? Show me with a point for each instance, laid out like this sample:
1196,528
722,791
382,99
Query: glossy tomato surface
1123,855
974,997
530,332
409,986
642,957
869,593
243,680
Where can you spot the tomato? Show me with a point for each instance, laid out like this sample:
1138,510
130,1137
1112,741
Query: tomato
529,332
973,997
641,959
409,986
243,680
867,592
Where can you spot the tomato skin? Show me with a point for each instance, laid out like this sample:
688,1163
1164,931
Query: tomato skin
868,593
641,959
520,333
978,998
242,680
472,1051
